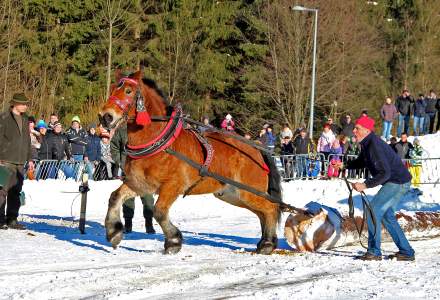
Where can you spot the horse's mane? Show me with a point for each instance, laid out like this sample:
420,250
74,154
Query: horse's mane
153,85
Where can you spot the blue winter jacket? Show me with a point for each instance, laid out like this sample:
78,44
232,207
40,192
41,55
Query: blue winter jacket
382,162
93,148
420,108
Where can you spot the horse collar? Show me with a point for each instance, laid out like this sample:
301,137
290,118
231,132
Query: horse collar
168,135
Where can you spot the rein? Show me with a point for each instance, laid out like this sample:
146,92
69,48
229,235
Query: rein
365,207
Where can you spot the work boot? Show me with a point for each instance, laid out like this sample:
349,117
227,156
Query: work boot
149,226
3,225
401,257
13,224
128,227
369,256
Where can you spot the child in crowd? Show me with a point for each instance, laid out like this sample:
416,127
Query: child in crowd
415,166
106,156
335,156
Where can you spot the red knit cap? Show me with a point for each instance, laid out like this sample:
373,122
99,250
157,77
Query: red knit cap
366,122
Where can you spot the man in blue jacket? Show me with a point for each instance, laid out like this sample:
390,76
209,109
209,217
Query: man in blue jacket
386,169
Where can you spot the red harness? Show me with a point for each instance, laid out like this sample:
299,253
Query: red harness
166,137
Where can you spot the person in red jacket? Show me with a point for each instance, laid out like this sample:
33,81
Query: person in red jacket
228,124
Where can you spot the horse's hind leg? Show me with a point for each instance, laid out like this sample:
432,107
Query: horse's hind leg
113,224
269,214
173,236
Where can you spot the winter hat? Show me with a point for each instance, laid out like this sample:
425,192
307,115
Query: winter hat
228,117
76,119
366,122
41,124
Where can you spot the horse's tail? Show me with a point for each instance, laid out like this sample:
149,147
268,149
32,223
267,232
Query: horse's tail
274,188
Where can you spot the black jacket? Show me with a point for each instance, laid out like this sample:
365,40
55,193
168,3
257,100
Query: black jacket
54,146
382,162
287,149
404,105
402,149
302,145
431,105
77,140
15,146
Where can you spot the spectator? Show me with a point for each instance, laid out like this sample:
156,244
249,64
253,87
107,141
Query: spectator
52,120
415,168
270,138
106,156
303,146
54,146
343,141
335,158
437,127
403,105
347,126
262,136
34,134
77,138
207,125
431,111
419,115
119,155
388,113
228,124
403,147
286,131
93,150
287,152
364,113
393,142
326,140
353,147
15,151
335,128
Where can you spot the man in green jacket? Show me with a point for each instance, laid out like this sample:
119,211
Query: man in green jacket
119,155
15,150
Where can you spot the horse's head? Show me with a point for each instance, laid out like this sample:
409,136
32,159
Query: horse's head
125,102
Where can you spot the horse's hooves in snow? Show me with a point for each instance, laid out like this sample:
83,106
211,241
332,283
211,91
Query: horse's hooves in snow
266,248
115,237
173,246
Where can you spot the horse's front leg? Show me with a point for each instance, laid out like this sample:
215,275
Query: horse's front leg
113,224
173,236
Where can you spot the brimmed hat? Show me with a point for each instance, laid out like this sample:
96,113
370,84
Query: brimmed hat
20,98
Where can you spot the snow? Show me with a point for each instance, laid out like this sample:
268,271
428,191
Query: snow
52,260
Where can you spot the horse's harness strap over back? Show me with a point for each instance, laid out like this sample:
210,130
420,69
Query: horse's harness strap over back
163,140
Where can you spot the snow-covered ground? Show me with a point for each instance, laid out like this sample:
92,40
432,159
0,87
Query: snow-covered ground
52,260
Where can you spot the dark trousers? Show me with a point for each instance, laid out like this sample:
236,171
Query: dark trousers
438,121
147,202
429,121
10,195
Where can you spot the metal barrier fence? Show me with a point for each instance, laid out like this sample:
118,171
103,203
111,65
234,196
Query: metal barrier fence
291,167
303,166
66,169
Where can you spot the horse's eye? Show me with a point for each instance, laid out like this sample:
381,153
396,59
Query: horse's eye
128,91
120,84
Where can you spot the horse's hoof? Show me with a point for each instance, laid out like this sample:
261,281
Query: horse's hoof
116,236
265,248
173,246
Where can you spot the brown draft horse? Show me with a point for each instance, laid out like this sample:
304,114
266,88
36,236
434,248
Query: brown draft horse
169,177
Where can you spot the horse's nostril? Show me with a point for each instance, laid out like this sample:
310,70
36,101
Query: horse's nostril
108,118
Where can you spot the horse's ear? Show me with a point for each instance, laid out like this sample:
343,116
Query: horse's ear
137,75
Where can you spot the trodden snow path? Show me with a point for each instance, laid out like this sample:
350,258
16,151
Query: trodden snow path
52,260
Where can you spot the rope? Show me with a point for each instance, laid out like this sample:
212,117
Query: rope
365,207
